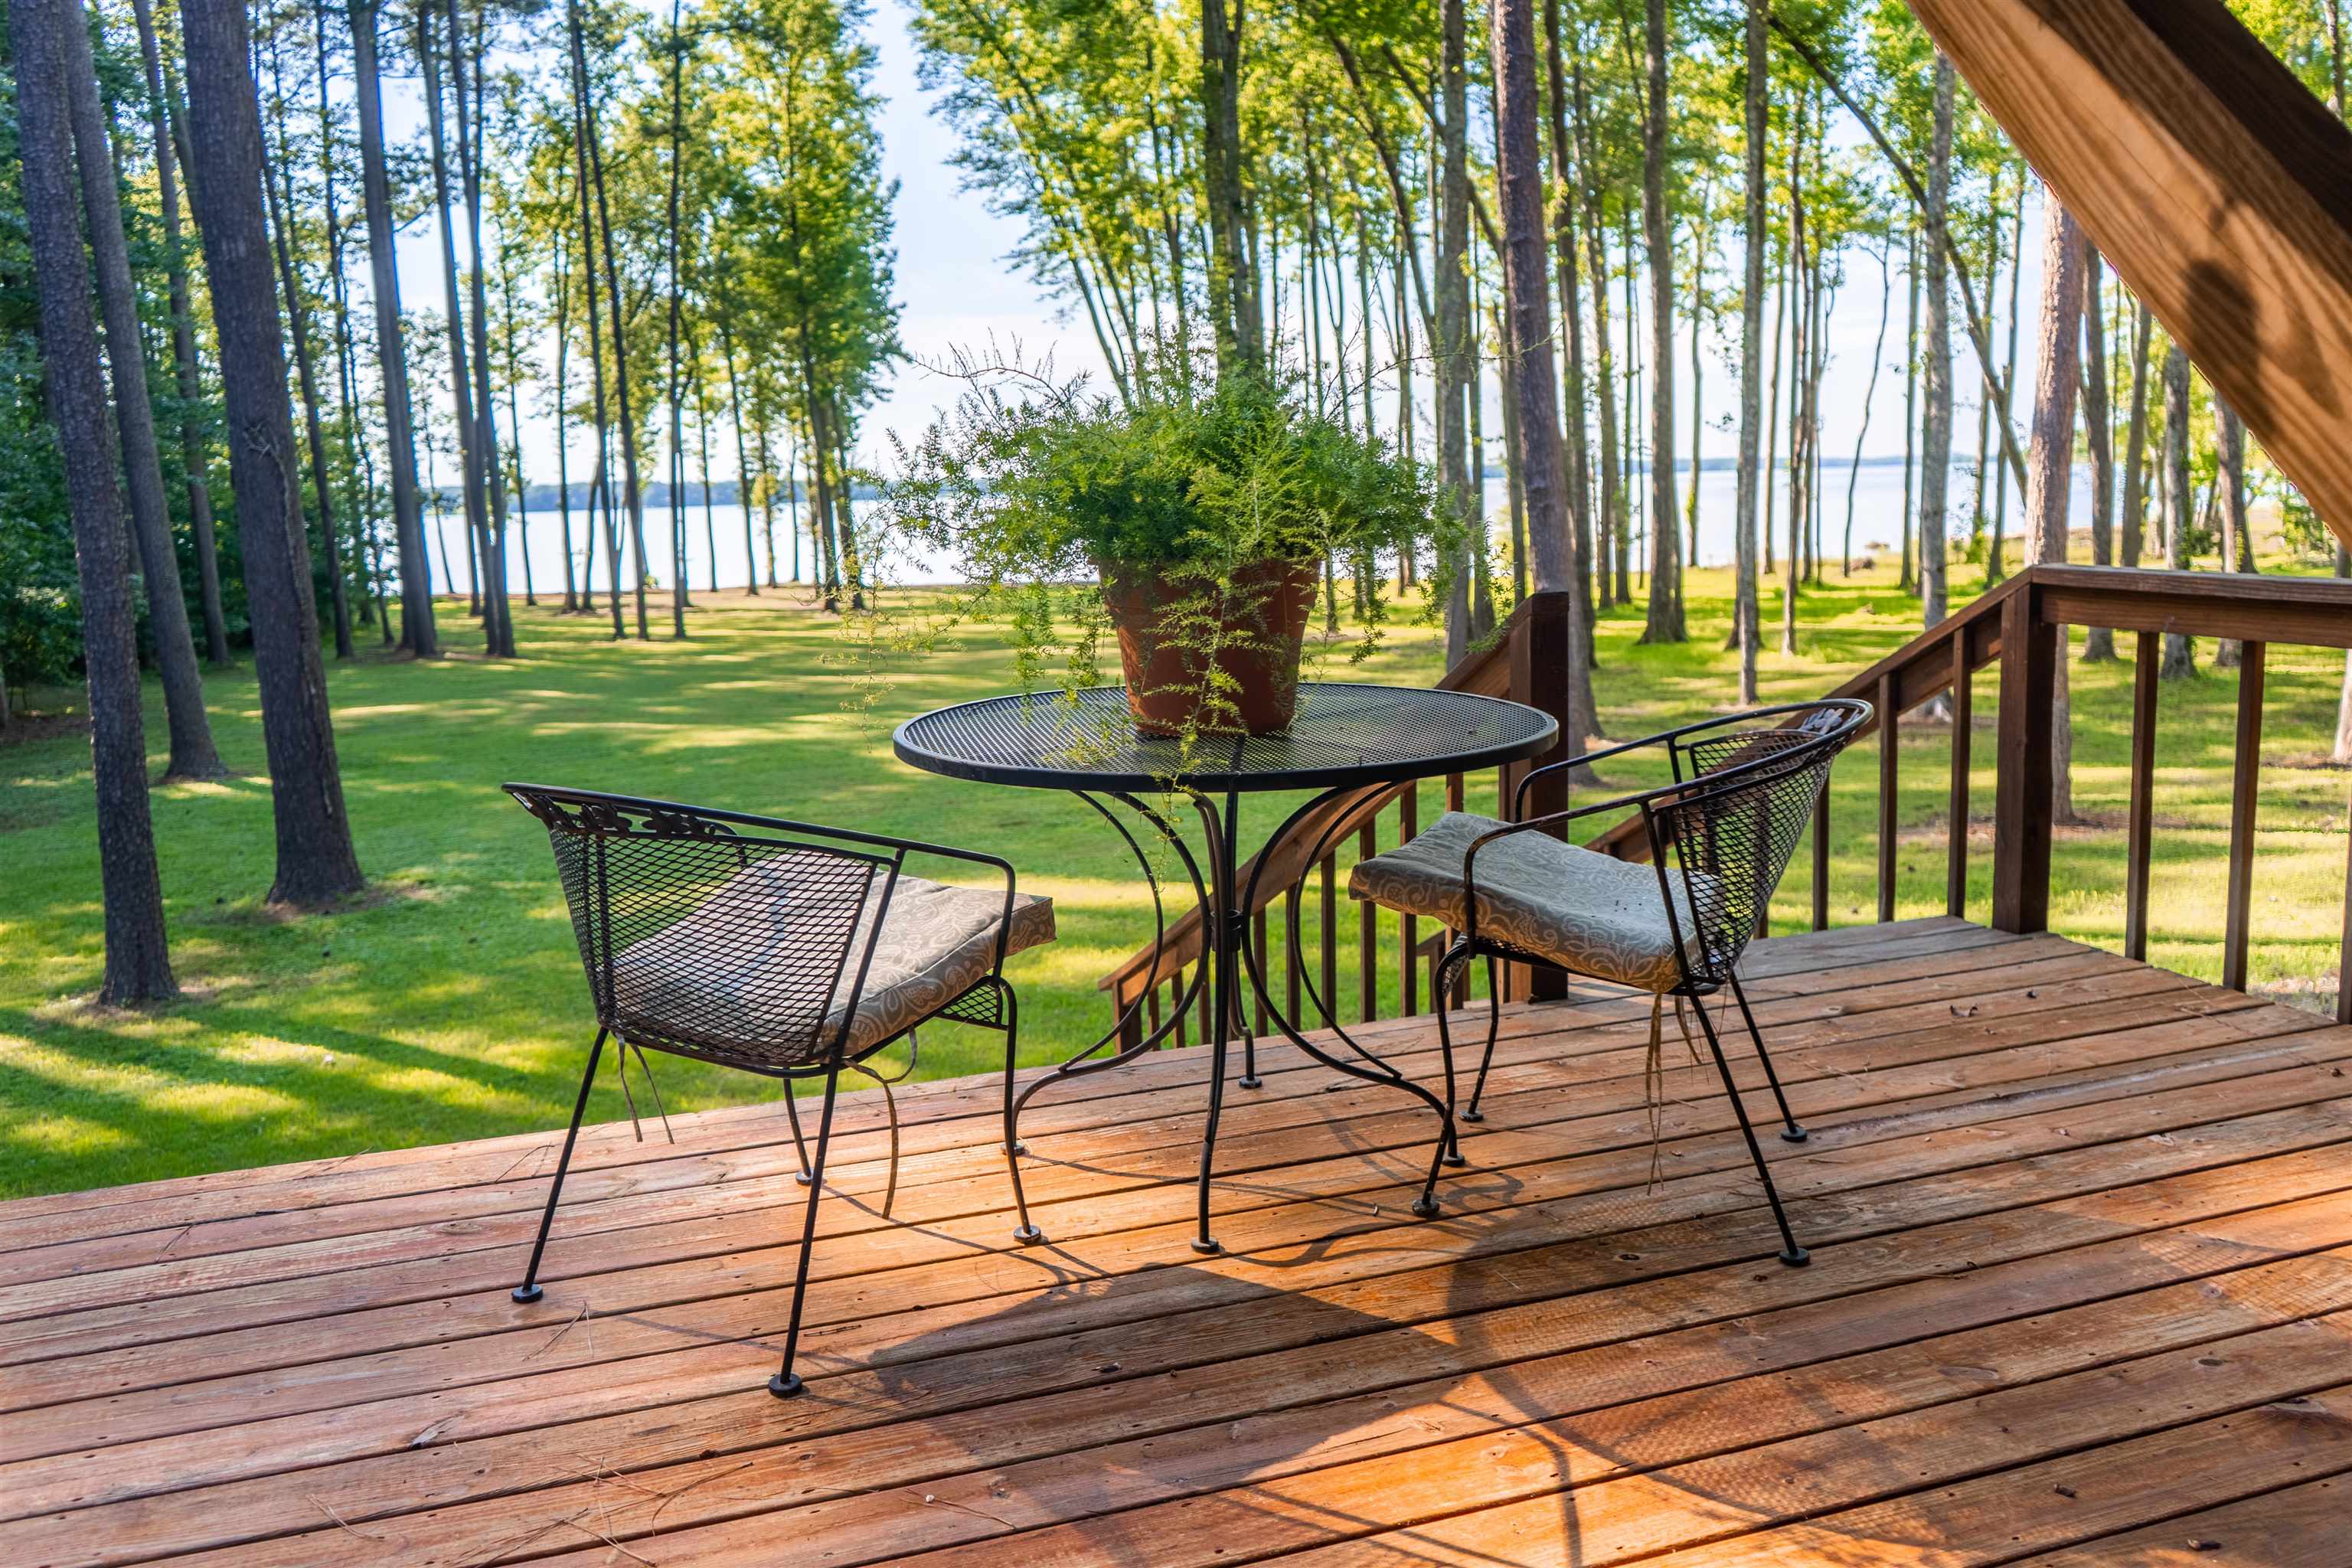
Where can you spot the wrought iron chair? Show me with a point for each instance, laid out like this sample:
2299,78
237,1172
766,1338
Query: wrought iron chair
778,947
1744,786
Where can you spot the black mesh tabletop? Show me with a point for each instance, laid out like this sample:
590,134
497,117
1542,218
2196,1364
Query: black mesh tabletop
1344,733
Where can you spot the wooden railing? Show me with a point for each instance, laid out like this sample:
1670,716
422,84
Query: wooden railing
2016,625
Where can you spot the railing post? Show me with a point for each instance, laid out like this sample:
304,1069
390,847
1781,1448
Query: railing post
2020,822
1541,647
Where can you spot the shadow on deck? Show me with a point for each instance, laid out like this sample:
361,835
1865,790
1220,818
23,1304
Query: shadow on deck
2082,1294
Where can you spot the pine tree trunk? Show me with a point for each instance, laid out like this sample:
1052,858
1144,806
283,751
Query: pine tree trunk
2008,381
1455,368
634,493
298,319
137,961
1233,304
2237,541
559,292
2135,518
742,458
1935,415
1801,361
2050,465
193,457
2180,654
1910,579
1753,415
1577,455
2099,642
364,536
1663,623
461,384
677,304
1610,523
316,862
602,489
1870,394
191,754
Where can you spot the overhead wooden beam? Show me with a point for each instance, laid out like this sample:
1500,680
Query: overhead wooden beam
2217,183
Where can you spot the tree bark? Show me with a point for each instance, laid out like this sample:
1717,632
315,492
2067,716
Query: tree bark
417,632
1233,305
743,460
677,303
2050,458
1936,416
193,457
2180,654
499,622
461,380
1869,396
1909,582
191,754
2008,385
138,961
2237,541
1757,63
1610,524
316,862
2099,642
2135,518
603,485
1663,623
298,317
1579,456
364,537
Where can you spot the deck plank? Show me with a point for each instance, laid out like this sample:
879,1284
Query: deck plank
2043,1179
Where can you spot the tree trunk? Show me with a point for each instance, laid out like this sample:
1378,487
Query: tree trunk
2136,439
191,754
677,303
1800,362
1910,580
2049,463
1870,394
298,320
514,427
1610,523
417,632
1752,412
365,538
1579,456
137,961
2237,541
2099,642
1663,623
2008,383
603,486
1936,416
559,292
193,457
316,862
742,458
2180,654
595,169
1233,304
493,473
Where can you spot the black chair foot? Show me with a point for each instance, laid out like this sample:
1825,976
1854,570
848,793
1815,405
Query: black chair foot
784,1384
1251,1080
1796,1257
1425,1207
1017,1148
1455,1157
802,1177
1794,1135
1028,1233
1207,1244
1474,1115
526,1294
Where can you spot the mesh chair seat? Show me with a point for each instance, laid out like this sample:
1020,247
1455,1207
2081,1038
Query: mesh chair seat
1588,912
720,963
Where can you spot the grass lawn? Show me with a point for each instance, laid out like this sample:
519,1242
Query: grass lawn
448,1003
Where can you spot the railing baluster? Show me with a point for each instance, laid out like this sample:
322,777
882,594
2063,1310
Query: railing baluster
1821,860
1408,927
2020,803
1889,749
1368,936
1257,934
1328,916
1956,850
2245,787
1290,971
1460,996
2344,952
1176,1006
2138,841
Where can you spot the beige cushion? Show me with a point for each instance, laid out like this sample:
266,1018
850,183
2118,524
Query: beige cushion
1592,913
731,976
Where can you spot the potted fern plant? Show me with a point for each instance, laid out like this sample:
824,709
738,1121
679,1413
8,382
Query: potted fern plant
1189,522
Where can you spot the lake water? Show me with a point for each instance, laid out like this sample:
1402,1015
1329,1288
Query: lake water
1877,526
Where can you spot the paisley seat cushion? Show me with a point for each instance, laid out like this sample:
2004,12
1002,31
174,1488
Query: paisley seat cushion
1588,912
711,979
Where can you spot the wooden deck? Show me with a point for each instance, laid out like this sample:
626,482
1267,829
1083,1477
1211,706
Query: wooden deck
2080,1295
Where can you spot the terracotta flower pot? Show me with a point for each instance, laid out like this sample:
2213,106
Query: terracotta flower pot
1265,629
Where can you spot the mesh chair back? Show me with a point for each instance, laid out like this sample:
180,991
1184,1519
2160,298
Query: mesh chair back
1752,787
711,938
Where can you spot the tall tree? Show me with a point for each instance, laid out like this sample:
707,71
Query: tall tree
1571,315
316,862
2098,428
161,95
1936,416
2230,489
191,755
138,963
2180,654
1664,620
498,619
417,633
2050,462
1756,61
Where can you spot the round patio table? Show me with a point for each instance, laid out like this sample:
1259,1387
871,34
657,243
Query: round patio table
1347,739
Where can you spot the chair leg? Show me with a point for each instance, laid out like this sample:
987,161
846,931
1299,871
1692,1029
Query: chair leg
787,1383
529,1290
1014,1148
1792,1254
1449,1150
1494,1027
1789,1132
799,1144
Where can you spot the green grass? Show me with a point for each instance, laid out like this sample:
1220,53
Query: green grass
449,1005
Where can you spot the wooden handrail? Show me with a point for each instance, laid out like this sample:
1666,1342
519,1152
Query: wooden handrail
2016,624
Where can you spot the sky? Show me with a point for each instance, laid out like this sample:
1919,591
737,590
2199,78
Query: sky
956,288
